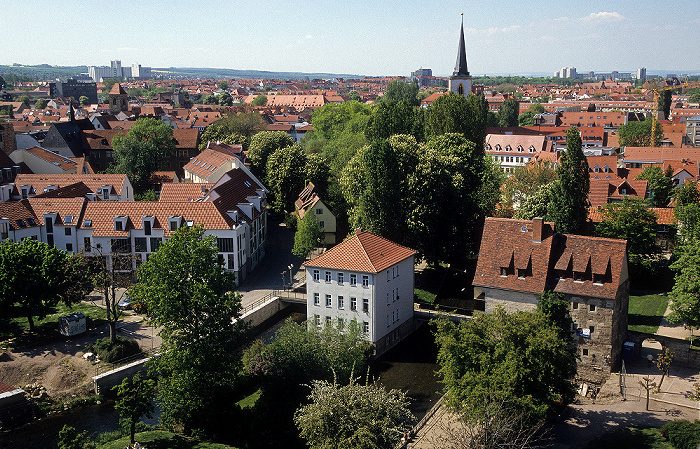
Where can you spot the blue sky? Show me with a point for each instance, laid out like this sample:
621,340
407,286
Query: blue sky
378,37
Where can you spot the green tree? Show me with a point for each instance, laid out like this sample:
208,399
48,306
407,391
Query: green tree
209,99
389,118
687,193
307,236
24,98
225,99
638,134
41,103
189,296
138,153
515,359
134,400
664,102
234,128
262,145
508,113
569,206
285,176
447,114
83,100
633,221
525,181
536,203
685,295
260,100
334,118
223,84
32,276
3,83
317,171
69,438
555,307
399,91
659,184
353,416
527,118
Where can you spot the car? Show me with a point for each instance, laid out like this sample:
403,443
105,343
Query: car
125,304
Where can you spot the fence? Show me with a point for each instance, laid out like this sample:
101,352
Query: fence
103,367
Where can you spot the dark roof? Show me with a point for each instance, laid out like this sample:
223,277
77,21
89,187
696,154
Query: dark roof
76,190
461,65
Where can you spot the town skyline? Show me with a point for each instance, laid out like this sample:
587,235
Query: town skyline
384,39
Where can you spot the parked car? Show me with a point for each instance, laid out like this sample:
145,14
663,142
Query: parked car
125,304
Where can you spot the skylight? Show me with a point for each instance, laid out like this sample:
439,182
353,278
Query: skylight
69,219
87,223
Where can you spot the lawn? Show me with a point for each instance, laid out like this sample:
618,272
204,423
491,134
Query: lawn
249,401
631,438
161,439
16,325
645,313
424,296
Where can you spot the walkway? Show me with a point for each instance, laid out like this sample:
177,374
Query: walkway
667,329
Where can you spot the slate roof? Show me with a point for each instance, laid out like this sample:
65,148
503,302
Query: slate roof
232,189
363,252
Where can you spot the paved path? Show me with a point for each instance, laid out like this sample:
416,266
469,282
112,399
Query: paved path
667,329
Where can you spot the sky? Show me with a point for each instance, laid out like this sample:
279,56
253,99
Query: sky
362,37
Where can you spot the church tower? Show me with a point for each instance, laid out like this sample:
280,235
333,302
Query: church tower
461,82
117,99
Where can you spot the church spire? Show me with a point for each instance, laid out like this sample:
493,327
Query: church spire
461,66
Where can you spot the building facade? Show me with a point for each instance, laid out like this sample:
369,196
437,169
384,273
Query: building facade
366,279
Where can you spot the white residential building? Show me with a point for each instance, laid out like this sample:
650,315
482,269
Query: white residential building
367,279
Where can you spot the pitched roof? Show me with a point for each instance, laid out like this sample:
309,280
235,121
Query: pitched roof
207,162
64,163
39,181
20,214
461,64
117,89
234,189
64,207
364,252
183,191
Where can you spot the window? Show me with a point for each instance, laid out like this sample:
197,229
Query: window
86,244
140,244
504,271
353,279
388,277
365,327
173,225
317,301
365,281
388,299
69,247
147,227
105,194
328,276
225,245
353,303
340,302
118,225
365,305
574,305
388,323
328,321
319,211
317,275
592,307
598,279
155,243
49,224
67,231
317,320
340,278
49,239
328,300
321,224
591,329
521,273
584,351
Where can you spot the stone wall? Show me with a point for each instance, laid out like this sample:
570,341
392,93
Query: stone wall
682,352
104,382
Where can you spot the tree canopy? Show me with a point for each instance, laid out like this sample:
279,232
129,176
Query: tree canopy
454,114
399,91
508,113
262,145
134,400
685,295
638,134
286,176
307,236
659,184
189,296
234,128
633,221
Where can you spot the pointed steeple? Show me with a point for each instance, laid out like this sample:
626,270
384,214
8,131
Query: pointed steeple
461,65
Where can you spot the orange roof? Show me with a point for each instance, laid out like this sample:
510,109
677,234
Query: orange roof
363,252
207,162
184,191
39,182
117,89
63,162
664,215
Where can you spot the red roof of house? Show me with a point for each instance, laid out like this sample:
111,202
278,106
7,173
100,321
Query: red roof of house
364,252
183,191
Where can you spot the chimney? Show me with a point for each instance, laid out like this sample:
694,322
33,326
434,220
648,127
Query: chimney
537,229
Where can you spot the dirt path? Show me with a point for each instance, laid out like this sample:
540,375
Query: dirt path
59,366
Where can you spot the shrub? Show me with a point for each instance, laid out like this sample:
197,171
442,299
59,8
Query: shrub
112,352
682,434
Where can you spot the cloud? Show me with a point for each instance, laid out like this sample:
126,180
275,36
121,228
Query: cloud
603,17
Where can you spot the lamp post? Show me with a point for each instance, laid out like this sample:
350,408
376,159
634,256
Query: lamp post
282,273
290,273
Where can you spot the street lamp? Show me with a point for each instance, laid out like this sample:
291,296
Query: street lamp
290,273
282,273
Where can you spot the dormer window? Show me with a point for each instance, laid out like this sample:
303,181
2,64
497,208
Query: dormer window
24,190
147,225
120,223
174,223
105,192
596,169
598,279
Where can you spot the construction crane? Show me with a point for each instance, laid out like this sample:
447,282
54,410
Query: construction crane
657,86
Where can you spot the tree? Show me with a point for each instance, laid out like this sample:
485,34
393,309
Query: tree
260,100
209,99
633,221
32,276
508,113
189,296
569,206
526,181
638,134
262,145
223,84
659,184
687,193
225,99
685,295
111,271
515,359
24,98
41,103
399,91
555,307
492,179
134,400
3,83
138,153
353,416
69,438
454,114
663,363
389,118
307,236
234,128
83,100
527,118
333,118
285,176
664,103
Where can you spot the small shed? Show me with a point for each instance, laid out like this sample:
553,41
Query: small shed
72,324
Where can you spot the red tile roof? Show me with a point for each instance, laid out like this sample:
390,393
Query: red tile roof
39,181
207,162
364,252
117,89
64,163
183,191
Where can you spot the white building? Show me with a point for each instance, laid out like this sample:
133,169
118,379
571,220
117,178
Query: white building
367,279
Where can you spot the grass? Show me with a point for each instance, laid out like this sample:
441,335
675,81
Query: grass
424,296
17,326
645,313
250,400
631,438
161,439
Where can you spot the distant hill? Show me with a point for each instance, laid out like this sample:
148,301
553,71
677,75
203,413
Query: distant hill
44,72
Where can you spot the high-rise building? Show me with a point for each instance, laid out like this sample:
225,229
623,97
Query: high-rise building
73,88
642,73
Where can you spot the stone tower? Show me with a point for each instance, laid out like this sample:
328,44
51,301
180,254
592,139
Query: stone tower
117,99
461,82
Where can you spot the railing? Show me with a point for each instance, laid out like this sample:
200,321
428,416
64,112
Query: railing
103,367
414,431
259,302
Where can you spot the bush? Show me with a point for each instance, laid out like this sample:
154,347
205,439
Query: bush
112,352
682,434
290,220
